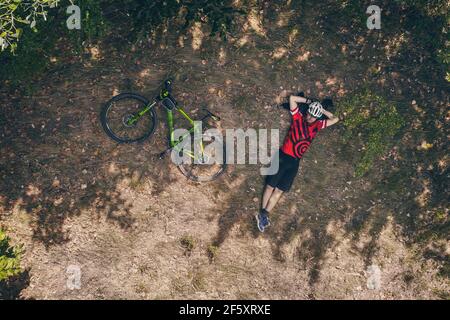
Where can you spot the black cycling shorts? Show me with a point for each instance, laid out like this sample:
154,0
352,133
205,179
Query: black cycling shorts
287,171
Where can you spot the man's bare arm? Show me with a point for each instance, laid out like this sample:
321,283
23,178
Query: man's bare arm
332,119
293,100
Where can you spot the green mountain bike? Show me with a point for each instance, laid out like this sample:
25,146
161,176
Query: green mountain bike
129,117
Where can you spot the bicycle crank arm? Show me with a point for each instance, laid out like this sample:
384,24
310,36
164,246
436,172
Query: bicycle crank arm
210,115
163,154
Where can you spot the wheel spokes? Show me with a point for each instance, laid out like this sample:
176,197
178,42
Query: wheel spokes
119,115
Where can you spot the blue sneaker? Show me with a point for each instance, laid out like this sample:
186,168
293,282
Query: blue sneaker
262,220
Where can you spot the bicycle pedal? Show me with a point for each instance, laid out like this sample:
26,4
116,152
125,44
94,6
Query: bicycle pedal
162,155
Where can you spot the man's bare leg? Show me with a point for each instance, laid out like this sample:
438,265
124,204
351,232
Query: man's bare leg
266,195
270,198
273,200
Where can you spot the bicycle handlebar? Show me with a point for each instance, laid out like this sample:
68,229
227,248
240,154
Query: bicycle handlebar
168,85
166,97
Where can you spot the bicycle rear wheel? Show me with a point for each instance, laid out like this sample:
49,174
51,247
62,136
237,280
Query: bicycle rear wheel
117,118
206,165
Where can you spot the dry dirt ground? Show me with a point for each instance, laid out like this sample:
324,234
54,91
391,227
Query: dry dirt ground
137,229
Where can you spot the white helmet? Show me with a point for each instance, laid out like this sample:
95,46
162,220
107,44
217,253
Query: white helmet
315,109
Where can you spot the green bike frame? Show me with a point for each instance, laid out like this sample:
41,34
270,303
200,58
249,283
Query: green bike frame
170,124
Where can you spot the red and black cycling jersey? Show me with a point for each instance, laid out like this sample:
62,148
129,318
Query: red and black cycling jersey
301,134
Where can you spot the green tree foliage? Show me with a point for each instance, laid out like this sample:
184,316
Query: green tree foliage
149,14
145,16
9,258
135,19
15,14
435,16
94,25
426,21
32,55
219,14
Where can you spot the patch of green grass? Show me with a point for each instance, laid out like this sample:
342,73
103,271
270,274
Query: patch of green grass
10,257
212,252
373,119
198,280
440,215
188,243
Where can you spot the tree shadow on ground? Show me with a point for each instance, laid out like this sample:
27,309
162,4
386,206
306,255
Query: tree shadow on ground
362,217
56,163
236,208
42,161
10,289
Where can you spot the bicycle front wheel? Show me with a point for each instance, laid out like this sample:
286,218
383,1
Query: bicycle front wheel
125,118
